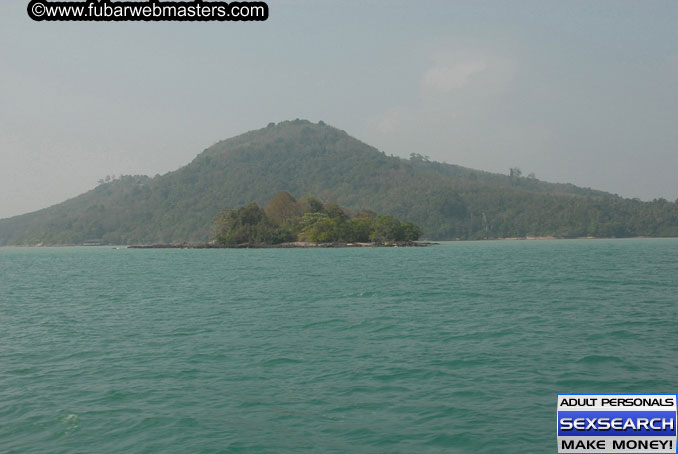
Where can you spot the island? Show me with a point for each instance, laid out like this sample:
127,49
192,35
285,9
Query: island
286,222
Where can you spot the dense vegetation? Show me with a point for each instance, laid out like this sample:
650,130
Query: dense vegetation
447,201
284,219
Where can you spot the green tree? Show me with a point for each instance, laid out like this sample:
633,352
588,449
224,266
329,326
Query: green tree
386,228
323,231
249,224
311,204
360,228
335,211
410,231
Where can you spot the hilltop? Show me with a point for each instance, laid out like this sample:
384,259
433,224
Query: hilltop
446,201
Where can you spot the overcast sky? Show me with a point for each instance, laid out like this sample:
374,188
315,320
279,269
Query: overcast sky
578,91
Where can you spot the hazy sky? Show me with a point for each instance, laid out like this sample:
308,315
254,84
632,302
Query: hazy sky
574,91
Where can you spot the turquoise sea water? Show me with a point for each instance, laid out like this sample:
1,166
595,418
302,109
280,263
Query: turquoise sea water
459,348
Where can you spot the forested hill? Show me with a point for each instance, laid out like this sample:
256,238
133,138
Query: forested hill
447,201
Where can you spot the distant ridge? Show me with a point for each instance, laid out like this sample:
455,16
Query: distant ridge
447,201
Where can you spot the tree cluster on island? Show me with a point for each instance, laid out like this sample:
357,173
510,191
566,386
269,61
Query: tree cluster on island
285,219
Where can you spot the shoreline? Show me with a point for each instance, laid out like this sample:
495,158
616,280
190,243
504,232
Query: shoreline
293,245
422,243
545,238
